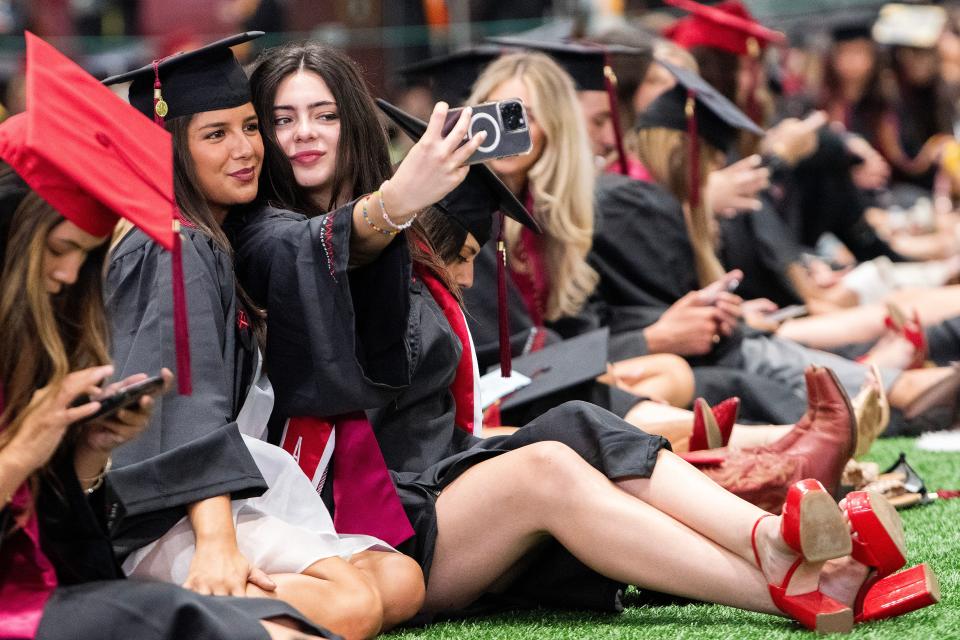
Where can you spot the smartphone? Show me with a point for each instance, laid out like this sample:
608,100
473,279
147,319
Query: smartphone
786,313
125,398
712,291
506,124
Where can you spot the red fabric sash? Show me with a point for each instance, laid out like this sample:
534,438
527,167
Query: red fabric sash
365,497
27,579
462,387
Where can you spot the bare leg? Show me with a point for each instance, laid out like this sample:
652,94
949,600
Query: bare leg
676,425
331,594
744,436
278,630
546,489
664,377
399,581
829,330
909,385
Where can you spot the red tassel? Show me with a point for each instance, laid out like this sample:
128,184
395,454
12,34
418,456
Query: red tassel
693,143
159,106
610,82
181,328
506,365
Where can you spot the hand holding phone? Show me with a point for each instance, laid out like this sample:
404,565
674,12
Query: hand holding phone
124,398
728,283
505,123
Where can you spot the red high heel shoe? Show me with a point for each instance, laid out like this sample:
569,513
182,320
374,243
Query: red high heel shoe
879,543
712,426
911,330
813,527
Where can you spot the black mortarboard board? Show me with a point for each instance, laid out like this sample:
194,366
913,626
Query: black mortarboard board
560,366
452,76
205,79
480,181
848,32
589,65
472,206
717,119
695,107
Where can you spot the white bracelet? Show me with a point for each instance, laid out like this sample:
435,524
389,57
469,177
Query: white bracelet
386,218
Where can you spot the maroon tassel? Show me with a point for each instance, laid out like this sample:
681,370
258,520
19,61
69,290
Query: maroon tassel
506,365
693,143
610,82
159,105
181,328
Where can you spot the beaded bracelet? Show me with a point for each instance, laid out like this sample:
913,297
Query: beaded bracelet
366,218
397,228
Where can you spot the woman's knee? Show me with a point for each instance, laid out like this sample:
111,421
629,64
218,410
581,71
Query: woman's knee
402,588
550,465
359,609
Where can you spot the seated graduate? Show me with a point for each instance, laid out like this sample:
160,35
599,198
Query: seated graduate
283,543
683,235
60,196
604,476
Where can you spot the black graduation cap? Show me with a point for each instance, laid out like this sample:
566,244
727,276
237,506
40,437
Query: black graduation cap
695,107
550,370
472,206
205,79
451,77
589,65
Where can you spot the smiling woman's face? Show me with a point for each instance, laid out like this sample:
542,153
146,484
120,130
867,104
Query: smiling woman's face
227,153
307,127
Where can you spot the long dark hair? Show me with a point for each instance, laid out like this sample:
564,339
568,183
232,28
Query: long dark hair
53,334
193,205
363,160
873,105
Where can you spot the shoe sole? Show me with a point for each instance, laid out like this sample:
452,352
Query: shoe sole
836,622
823,533
887,514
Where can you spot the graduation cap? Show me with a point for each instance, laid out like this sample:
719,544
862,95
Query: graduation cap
695,107
727,26
905,25
205,79
589,65
451,77
472,206
92,157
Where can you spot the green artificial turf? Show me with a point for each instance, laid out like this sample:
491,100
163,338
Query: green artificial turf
933,536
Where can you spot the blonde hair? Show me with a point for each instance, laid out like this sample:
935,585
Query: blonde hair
664,153
561,181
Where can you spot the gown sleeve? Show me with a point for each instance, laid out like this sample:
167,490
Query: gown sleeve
192,448
337,339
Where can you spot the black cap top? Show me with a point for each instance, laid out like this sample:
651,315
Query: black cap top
583,62
718,119
205,79
482,194
452,76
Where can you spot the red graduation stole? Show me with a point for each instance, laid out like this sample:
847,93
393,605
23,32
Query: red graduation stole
463,384
365,497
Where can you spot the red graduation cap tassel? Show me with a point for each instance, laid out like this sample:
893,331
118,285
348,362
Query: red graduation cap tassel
160,109
181,327
693,143
506,365
610,82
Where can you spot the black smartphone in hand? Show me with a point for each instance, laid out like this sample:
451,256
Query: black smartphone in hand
125,398
506,124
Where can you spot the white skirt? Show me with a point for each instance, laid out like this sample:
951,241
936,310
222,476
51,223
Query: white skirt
285,530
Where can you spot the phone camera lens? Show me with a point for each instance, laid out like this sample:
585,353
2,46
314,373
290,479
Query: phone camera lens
511,113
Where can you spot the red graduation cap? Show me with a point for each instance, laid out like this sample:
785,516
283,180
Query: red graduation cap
727,26
95,159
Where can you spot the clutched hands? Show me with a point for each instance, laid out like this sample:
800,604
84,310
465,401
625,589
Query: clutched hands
434,166
109,432
51,412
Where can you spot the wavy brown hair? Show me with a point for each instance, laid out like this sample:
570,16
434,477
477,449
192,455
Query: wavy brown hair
54,334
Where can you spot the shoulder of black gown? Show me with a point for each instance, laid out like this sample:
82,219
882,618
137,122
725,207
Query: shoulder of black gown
337,337
640,245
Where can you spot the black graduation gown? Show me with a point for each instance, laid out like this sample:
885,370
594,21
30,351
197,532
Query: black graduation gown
481,312
192,448
336,336
645,261
819,196
426,452
94,600
943,341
